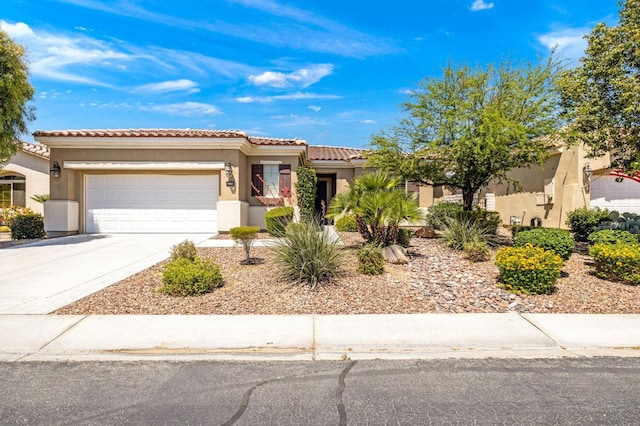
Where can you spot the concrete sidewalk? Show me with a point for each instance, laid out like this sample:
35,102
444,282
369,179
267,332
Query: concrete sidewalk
316,337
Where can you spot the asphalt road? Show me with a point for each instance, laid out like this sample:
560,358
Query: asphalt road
513,391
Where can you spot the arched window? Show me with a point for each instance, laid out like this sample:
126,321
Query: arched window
12,191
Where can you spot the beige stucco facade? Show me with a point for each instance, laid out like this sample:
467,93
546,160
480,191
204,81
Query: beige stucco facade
34,169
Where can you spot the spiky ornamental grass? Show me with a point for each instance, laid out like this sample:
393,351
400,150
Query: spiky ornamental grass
308,254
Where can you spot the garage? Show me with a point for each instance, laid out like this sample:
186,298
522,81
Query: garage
151,203
623,196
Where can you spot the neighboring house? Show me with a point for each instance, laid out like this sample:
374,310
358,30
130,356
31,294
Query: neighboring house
24,175
179,180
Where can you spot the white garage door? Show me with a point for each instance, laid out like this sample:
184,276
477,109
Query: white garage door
621,196
151,203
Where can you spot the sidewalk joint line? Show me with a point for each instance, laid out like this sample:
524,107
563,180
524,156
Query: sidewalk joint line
543,332
314,349
72,326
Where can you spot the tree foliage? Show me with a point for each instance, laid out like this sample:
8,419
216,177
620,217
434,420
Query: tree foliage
601,97
15,94
306,191
473,125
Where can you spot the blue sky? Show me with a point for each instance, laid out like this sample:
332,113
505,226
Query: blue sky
330,72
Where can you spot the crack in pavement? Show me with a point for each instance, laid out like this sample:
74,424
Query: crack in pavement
341,385
243,404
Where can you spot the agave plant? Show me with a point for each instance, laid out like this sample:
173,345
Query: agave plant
378,206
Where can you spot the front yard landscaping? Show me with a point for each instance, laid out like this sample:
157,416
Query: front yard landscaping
437,279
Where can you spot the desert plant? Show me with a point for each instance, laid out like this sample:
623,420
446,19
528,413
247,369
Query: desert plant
370,260
404,237
618,262
612,236
41,198
557,240
378,207
477,251
583,221
308,254
184,250
184,277
245,235
441,211
528,269
277,220
458,231
27,226
306,192
346,223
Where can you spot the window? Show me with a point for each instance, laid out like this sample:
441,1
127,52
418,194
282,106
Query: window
270,180
12,191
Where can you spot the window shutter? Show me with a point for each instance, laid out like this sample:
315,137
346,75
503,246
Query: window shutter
256,180
285,180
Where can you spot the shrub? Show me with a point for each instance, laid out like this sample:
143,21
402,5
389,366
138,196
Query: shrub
439,212
477,251
618,262
528,269
4,228
184,277
245,235
184,250
459,231
27,226
347,223
277,220
489,221
584,221
557,240
612,236
308,254
9,213
519,228
370,260
306,191
404,237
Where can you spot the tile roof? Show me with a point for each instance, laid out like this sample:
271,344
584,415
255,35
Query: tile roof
143,133
334,153
259,140
36,149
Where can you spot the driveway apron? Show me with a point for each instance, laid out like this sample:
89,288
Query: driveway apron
41,277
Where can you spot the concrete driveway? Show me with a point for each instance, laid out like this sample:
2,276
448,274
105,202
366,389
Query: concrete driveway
41,277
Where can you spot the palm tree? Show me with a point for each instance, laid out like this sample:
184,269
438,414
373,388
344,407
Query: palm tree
378,206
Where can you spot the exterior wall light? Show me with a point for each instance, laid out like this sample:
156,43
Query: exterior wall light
228,170
587,172
55,170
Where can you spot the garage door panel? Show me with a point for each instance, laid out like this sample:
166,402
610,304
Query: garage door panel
151,203
623,196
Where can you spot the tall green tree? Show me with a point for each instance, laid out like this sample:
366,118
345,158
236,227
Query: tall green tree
601,97
473,125
15,94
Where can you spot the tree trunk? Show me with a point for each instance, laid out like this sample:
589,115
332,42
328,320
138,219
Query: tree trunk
467,199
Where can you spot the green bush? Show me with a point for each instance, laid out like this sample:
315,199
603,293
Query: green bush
557,240
184,277
477,251
277,220
489,221
584,221
612,236
27,226
528,269
184,250
519,228
245,235
308,254
404,237
306,192
618,262
460,231
347,223
370,260
9,213
440,212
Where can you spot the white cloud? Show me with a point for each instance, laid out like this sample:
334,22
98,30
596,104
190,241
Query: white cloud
303,77
481,5
294,120
182,85
570,42
368,121
314,108
184,109
289,97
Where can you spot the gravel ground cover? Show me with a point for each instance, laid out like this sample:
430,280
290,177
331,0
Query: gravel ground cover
437,279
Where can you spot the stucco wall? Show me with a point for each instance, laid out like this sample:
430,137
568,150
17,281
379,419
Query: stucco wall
35,169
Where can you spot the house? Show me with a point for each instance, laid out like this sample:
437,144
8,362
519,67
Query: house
179,180
25,175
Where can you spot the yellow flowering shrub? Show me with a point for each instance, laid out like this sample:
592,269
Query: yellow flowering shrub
619,262
528,269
